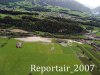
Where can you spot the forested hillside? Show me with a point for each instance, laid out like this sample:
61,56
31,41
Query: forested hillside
46,16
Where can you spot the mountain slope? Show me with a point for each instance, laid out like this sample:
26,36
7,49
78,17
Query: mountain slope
97,10
6,1
71,4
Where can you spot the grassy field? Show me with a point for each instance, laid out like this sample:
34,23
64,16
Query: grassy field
97,29
98,33
93,55
14,61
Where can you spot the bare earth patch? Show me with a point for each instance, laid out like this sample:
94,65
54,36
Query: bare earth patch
18,30
34,39
42,39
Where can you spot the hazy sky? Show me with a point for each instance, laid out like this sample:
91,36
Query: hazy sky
90,3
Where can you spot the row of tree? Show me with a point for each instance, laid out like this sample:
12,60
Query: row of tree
16,12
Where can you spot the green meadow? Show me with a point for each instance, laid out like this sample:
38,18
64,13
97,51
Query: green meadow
18,61
98,33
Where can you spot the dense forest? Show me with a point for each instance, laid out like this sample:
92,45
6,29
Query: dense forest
58,25
50,24
16,12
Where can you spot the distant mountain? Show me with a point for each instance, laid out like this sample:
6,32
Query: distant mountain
96,10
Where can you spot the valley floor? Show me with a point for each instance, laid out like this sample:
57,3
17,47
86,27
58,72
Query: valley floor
17,61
